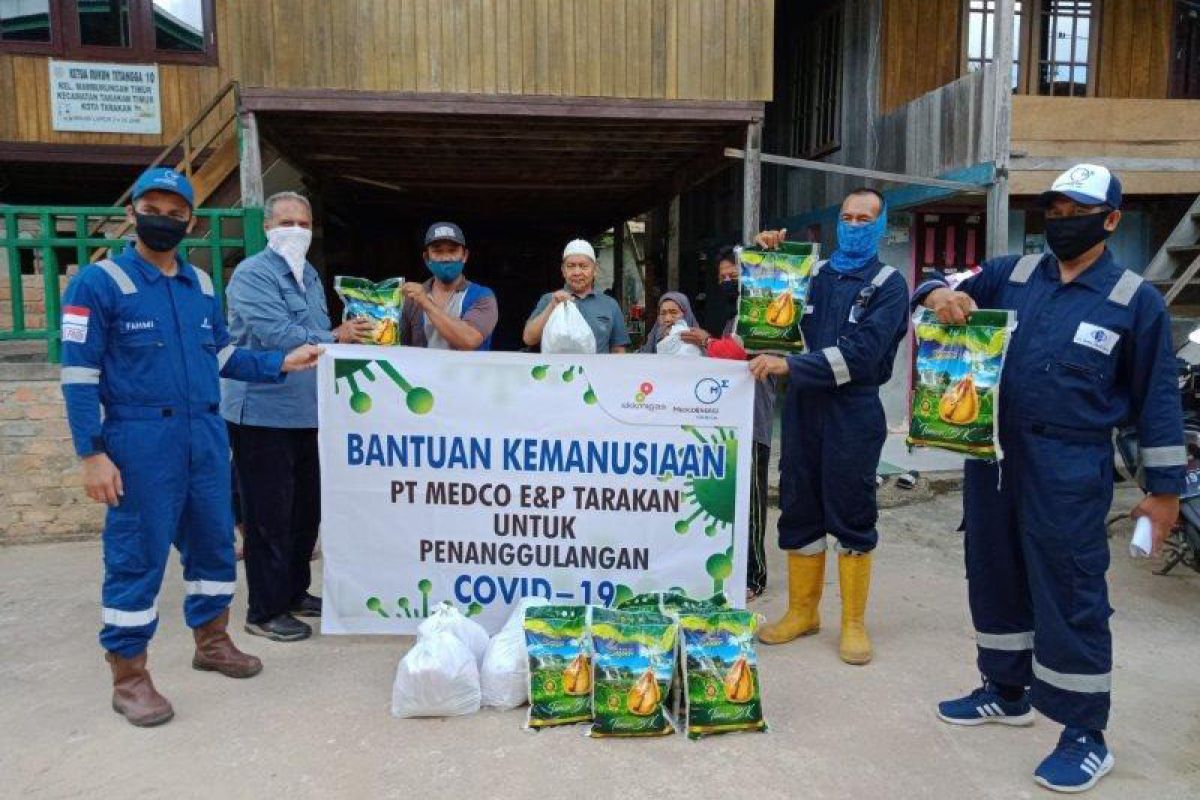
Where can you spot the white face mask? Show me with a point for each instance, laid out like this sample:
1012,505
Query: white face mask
292,243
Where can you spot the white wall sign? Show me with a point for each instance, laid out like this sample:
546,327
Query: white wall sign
105,98
478,478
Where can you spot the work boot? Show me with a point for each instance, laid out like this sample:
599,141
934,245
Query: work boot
216,652
806,579
854,573
134,695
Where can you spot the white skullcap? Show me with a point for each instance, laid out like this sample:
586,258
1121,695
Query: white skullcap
579,247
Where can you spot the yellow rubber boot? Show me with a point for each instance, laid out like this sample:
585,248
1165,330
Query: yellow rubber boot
854,573
806,579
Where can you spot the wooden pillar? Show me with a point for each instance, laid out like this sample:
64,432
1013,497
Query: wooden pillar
618,261
997,198
752,182
673,245
251,162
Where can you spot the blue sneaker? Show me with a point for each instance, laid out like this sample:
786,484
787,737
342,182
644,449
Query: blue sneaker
986,705
1077,764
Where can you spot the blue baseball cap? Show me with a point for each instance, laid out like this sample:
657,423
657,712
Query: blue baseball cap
445,232
1086,184
163,179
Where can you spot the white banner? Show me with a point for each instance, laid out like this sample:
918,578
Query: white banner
480,478
104,98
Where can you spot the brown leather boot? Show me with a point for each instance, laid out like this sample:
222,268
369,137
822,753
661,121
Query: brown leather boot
216,652
134,695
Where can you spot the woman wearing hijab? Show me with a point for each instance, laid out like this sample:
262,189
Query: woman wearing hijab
673,308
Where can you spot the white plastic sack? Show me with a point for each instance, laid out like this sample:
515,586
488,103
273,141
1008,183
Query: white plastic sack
567,331
504,676
673,345
438,677
449,619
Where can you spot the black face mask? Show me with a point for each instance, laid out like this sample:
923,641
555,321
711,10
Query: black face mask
160,233
1071,237
728,289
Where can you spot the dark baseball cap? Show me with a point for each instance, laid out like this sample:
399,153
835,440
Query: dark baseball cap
445,232
163,179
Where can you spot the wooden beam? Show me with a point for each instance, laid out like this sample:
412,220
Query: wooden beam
343,101
874,174
1026,163
1001,100
752,182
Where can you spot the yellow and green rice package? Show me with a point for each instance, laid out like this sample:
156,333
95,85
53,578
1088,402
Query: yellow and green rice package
720,671
634,664
956,388
560,665
379,302
772,295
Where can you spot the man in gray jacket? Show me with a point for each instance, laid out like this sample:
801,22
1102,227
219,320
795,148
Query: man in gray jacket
275,300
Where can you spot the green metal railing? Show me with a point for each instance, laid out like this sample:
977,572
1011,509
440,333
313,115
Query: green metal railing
210,242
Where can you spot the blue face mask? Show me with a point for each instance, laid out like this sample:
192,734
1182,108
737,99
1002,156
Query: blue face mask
445,271
857,244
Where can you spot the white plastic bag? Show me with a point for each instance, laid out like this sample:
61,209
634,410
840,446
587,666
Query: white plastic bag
449,619
438,677
504,676
567,331
673,345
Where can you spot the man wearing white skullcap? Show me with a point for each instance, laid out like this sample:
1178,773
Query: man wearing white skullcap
601,312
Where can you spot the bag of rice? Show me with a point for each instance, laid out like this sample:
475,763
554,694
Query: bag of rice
772,295
380,302
720,671
634,663
956,402
560,666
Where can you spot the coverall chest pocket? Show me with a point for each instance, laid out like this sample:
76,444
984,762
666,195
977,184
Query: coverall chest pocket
139,340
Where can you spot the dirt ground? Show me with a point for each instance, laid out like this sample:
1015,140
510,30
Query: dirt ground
315,723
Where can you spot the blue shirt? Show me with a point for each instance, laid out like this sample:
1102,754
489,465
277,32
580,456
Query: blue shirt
135,339
602,314
269,310
1087,356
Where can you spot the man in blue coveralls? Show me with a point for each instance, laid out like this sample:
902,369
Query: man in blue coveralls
1092,350
144,338
833,423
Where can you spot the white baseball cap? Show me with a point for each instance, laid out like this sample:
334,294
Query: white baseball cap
579,247
1087,184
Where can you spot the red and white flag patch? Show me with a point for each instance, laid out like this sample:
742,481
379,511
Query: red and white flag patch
75,324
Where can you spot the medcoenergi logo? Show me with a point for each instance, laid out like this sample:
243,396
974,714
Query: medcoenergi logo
709,390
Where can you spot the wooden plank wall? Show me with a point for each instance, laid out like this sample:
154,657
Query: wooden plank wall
669,49
922,48
1135,48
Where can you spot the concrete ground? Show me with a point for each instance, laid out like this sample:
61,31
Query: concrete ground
316,722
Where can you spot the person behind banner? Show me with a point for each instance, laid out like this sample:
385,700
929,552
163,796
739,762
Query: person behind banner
275,301
601,312
144,341
833,423
664,337
447,312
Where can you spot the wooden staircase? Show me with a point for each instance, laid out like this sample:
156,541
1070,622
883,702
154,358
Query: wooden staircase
1175,269
208,160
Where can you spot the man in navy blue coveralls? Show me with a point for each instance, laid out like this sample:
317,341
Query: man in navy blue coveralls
834,426
1092,350
144,338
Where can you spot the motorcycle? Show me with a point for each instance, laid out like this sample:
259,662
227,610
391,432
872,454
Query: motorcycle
1182,546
